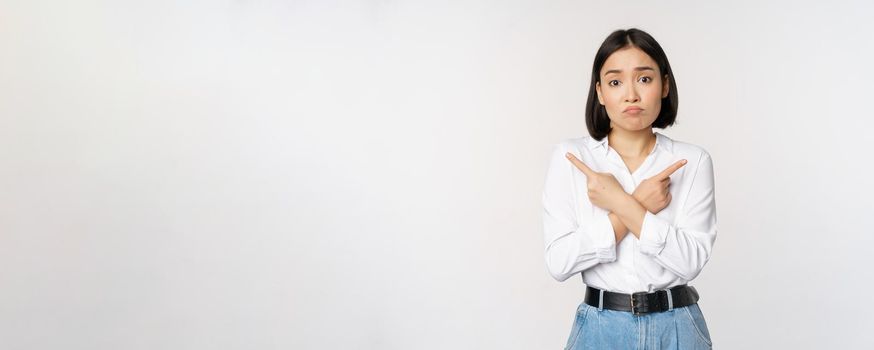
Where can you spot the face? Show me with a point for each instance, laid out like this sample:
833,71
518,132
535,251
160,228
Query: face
631,89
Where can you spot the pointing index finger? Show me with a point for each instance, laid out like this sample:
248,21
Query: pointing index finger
671,169
579,164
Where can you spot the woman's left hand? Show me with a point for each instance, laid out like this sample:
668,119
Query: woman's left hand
603,188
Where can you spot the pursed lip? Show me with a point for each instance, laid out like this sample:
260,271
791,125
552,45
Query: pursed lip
632,108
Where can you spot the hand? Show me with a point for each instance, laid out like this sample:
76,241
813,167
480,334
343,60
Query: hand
653,193
603,188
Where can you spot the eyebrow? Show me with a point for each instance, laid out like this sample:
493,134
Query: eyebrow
637,69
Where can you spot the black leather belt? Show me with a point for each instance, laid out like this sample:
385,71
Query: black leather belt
642,302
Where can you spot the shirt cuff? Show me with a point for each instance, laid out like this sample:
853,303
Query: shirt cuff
653,233
600,229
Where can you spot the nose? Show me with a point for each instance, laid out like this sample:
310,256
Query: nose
631,94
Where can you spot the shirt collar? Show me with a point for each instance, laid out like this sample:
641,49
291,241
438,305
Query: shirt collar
666,143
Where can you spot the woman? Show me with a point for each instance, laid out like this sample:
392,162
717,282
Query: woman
631,210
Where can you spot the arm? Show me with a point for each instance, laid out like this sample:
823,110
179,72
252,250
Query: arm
632,214
683,248
572,245
619,229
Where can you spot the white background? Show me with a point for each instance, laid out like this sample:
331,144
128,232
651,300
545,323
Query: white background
367,174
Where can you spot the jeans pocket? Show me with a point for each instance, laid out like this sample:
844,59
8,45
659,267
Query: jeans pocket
579,321
697,318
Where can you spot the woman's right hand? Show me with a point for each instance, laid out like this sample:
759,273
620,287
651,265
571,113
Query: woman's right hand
654,193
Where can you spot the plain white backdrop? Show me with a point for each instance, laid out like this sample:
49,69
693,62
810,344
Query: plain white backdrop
367,174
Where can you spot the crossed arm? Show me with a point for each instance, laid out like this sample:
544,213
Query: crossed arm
635,213
619,228
572,245
627,211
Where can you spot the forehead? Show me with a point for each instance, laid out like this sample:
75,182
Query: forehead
626,59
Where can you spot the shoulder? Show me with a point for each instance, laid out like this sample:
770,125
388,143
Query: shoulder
574,145
700,161
689,150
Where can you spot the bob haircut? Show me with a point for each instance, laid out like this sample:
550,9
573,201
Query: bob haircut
596,115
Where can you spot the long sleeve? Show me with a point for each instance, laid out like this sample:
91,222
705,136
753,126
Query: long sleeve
572,243
685,248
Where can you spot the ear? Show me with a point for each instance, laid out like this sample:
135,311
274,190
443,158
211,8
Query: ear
666,86
598,90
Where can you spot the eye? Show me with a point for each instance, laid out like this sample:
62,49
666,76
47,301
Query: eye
611,82
648,79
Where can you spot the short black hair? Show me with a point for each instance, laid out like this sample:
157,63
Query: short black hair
596,115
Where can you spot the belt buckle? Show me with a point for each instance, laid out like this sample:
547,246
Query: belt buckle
633,308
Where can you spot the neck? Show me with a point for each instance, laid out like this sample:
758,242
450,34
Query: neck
632,143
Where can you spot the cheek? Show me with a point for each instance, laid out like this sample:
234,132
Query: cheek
612,99
654,109
654,93
655,101
653,98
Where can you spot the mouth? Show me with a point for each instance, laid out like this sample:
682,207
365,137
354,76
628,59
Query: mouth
632,110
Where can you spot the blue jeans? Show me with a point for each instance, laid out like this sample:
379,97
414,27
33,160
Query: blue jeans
680,328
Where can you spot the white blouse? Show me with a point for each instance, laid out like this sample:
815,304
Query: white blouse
674,244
